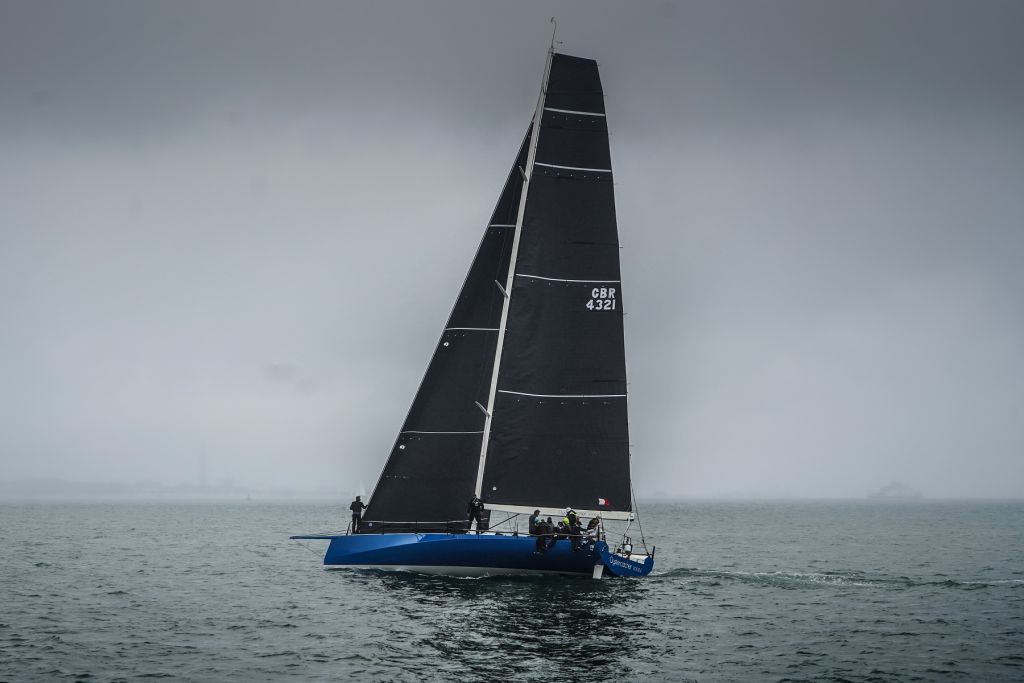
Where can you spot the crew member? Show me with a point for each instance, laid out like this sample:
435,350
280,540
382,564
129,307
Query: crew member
475,510
541,529
534,522
549,534
562,531
572,530
357,508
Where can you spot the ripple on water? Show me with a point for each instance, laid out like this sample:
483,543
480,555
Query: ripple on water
174,600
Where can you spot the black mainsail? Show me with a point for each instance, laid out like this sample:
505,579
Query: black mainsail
524,400
559,434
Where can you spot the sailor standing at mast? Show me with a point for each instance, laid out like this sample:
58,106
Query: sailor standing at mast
357,508
475,510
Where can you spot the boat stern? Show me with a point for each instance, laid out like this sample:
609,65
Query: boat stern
635,566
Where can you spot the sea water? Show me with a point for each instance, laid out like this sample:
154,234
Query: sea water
852,591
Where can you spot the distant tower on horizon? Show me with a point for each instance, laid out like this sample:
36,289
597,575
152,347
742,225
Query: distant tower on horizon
203,474
896,491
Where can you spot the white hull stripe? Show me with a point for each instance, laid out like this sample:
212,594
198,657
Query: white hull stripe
502,225
559,279
570,111
476,329
523,393
573,168
413,431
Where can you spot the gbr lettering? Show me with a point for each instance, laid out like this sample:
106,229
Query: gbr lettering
602,299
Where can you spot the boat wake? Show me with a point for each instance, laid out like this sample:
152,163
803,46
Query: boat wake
798,580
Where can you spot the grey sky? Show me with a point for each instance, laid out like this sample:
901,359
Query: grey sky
237,229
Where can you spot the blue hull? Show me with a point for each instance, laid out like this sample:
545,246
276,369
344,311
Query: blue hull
471,555
619,565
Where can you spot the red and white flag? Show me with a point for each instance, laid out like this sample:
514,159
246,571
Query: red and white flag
604,502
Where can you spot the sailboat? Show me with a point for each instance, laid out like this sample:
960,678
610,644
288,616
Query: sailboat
524,403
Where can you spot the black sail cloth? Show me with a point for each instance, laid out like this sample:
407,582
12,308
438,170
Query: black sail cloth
432,470
560,435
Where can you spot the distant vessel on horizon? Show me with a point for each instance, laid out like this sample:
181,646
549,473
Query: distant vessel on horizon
896,491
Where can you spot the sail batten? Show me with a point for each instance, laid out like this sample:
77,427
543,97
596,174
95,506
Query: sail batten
416,431
570,111
562,279
522,393
575,168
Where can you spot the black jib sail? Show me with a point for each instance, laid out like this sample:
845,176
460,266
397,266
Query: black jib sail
431,473
559,433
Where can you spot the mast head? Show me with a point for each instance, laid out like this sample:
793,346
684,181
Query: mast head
553,32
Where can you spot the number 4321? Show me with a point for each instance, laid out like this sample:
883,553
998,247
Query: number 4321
602,299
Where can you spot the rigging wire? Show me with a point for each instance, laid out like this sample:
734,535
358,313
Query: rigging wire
492,526
639,525
297,542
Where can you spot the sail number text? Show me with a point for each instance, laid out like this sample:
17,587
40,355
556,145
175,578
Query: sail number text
601,299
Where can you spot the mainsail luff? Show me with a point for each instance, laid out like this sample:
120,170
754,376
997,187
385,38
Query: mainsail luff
527,173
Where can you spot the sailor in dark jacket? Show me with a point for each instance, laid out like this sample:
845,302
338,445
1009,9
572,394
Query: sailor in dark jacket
357,508
576,534
475,510
544,536
573,530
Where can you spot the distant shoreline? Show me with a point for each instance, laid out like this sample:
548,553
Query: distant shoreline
43,490
59,490
313,497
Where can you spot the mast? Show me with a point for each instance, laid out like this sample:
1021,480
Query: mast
507,289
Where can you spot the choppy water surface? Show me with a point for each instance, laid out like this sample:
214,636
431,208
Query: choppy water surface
741,591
